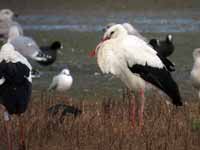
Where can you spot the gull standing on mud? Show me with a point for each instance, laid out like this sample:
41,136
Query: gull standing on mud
15,89
133,61
6,21
195,73
62,82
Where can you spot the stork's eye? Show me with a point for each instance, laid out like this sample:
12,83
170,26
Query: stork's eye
112,33
6,12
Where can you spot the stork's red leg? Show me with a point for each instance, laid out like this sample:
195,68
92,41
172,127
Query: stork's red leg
133,111
8,130
141,121
21,134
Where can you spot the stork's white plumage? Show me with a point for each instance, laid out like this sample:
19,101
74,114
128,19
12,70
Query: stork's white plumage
159,47
134,62
129,28
120,51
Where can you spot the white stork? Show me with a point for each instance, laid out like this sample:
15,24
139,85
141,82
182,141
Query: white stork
133,61
15,88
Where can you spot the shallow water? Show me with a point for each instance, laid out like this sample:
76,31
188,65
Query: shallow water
79,27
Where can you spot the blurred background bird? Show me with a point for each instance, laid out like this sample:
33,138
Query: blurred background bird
6,21
164,47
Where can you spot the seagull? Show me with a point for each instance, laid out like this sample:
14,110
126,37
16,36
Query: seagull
27,46
6,21
51,51
133,61
165,47
61,82
129,28
195,73
15,88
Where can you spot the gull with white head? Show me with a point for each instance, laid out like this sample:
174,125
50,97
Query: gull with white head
62,82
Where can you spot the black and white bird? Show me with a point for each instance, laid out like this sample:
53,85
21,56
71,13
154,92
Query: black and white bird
133,61
27,46
6,21
15,87
62,82
52,51
195,73
164,48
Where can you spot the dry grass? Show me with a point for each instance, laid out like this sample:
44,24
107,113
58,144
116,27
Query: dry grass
105,125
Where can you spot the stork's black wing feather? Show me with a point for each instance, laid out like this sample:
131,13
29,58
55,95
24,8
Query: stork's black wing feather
169,65
14,72
161,78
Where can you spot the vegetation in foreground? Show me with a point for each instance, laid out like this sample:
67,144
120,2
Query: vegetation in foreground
105,125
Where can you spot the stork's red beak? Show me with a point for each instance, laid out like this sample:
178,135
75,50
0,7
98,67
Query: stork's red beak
93,52
104,39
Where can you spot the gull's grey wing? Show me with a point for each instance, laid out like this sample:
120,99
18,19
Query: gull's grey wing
25,45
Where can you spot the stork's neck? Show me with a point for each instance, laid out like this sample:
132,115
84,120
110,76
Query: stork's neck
121,34
197,62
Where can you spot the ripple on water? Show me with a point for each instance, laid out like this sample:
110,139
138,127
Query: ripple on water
94,24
